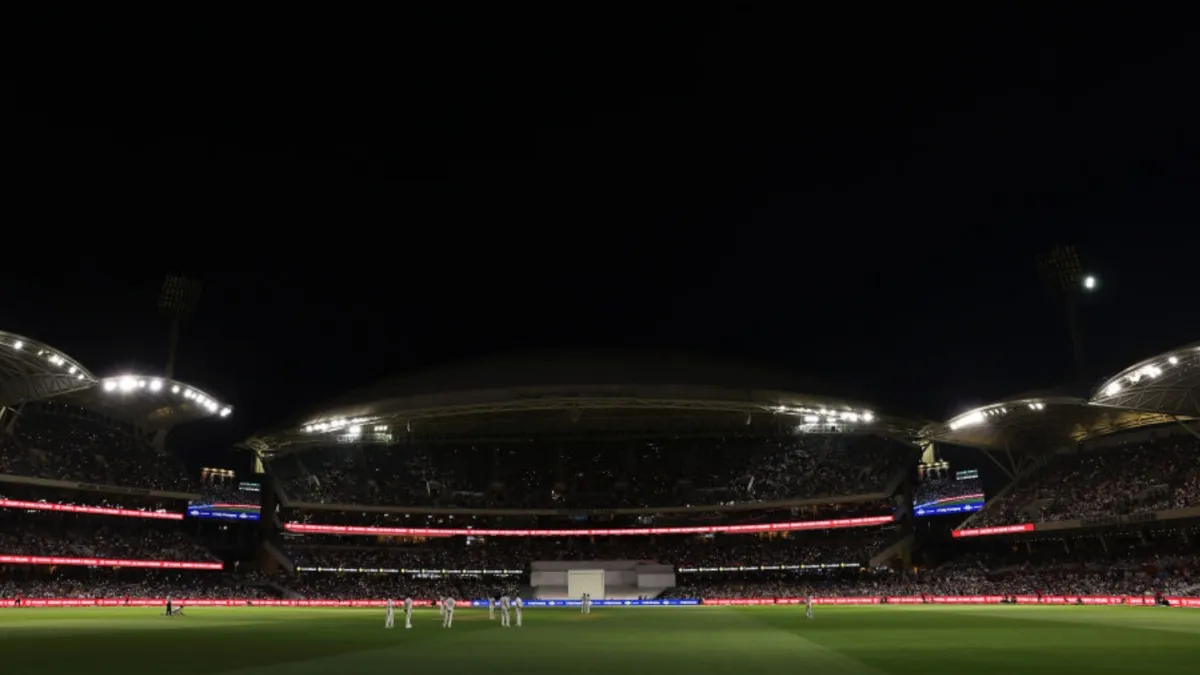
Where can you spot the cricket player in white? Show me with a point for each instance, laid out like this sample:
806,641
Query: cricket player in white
517,605
408,612
441,603
504,611
448,612
491,608
390,622
808,606
586,605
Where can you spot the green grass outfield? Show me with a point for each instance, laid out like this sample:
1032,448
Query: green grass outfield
896,640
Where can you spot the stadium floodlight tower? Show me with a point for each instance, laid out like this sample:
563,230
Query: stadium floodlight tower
1063,277
177,302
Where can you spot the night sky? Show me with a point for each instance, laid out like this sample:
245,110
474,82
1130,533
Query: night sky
854,198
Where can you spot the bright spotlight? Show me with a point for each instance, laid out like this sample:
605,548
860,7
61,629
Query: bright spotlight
1089,283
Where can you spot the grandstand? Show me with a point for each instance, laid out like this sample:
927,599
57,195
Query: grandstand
1128,452
680,479
92,504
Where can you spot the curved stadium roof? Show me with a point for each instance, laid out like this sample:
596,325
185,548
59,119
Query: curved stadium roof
32,370
1162,389
150,402
1167,383
580,389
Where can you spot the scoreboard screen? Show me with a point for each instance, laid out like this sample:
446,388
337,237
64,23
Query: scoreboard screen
242,502
942,495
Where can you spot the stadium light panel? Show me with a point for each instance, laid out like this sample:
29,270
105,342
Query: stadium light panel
1174,360
126,384
18,345
970,419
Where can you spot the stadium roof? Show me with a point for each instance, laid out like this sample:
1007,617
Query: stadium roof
32,370
151,402
596,390
1168,383
1038,423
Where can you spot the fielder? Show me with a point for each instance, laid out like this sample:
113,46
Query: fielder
408,612
808,606
390,621
491,608
517,605
585,607
504,611
447,612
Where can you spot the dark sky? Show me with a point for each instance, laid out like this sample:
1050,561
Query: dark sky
857,198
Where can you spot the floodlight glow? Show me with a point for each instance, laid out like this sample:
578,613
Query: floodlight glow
109,385
811,419
175,389
155,385
128,384
381,427
868,416
1174,360
226,411
968,420
72,370
1113,388
18,345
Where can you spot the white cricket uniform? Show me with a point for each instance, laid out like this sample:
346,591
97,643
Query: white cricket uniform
586,605
491,608
408,612
517,605
808,607
390,621
504,611
448,614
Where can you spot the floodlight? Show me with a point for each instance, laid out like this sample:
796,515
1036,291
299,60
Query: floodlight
1113,388
18,345
226,411
1089,283
1173,360
128,384
109,385
156,385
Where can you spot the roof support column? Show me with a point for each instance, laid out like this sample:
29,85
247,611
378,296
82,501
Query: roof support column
1003,468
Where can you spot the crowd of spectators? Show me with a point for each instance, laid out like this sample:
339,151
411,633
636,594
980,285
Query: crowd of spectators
64,442
319,586
67,535
1137,564
50,496
515,553
590,474
1163,473
82,583
570,520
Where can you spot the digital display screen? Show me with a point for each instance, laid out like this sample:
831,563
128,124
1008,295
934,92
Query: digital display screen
242,502
937,496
